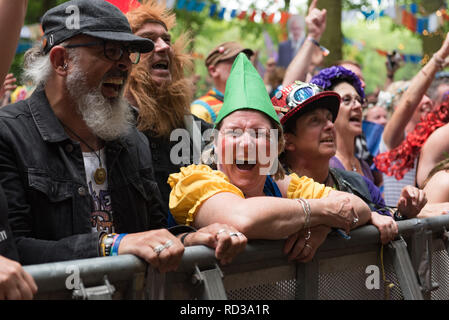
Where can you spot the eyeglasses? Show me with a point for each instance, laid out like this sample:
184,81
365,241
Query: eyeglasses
349,100
111,50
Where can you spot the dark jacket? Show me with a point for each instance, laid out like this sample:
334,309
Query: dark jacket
286,53
351,182
42,173
357,184
7,246
163,165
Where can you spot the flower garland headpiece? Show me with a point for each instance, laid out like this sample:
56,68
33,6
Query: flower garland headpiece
329,77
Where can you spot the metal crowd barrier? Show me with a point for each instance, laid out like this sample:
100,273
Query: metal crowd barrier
413,267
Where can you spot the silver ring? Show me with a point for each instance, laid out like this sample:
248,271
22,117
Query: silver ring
168,244
234,234
159,249
355,221
220,231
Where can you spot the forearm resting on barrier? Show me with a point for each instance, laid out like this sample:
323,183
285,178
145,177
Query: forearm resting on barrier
277,218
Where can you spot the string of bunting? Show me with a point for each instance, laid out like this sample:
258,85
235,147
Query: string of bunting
411,16
411,58
406,15
215,11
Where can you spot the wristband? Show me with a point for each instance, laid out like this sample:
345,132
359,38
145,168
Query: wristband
106,244
183,237
100,244
324,50
116,244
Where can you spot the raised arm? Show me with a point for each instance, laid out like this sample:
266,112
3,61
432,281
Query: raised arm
316,24
394,130
12,15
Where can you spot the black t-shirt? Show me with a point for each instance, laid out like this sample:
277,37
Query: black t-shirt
7,246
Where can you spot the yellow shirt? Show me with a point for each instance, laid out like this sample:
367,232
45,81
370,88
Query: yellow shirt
197,183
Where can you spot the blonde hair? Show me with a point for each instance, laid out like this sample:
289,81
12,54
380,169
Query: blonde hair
395,92
161,108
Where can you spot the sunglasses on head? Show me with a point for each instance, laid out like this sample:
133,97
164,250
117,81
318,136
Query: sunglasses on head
297,94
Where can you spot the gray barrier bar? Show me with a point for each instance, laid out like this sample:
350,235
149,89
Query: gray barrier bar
51,277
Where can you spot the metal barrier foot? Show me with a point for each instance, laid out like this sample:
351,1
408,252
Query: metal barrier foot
103,292
404,269
211,283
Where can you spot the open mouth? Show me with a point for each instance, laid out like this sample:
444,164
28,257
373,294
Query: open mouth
355,119
327,140
245,165
161,65
113,85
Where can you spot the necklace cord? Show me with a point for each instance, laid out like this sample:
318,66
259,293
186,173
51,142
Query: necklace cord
87,145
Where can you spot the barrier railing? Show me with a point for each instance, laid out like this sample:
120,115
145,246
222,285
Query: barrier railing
415,266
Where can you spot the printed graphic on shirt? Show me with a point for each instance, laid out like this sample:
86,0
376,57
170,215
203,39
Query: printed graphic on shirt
101,216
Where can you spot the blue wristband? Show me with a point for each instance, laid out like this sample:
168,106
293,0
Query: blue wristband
114,250
324,50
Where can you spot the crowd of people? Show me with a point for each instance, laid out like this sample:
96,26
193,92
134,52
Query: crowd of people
112,153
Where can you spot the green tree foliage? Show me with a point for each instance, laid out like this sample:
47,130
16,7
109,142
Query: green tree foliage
35,11
207,32
380,34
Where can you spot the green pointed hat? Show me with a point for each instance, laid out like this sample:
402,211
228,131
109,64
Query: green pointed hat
245,90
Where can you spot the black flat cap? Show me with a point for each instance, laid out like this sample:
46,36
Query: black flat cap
96,18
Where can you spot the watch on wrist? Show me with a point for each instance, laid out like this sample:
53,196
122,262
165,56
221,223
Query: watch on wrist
398,216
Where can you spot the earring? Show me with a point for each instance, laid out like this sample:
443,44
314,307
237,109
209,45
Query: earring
65,66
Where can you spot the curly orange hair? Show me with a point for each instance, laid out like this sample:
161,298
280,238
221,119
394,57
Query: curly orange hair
161,109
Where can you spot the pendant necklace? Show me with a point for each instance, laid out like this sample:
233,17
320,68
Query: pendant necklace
352,164
100,173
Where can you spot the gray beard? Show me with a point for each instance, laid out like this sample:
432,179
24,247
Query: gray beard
108,119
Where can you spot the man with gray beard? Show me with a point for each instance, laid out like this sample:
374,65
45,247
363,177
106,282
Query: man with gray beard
77,174
106,118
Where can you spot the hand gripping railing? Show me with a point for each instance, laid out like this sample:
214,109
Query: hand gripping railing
199,276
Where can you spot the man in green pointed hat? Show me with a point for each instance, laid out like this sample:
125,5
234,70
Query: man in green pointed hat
237,178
